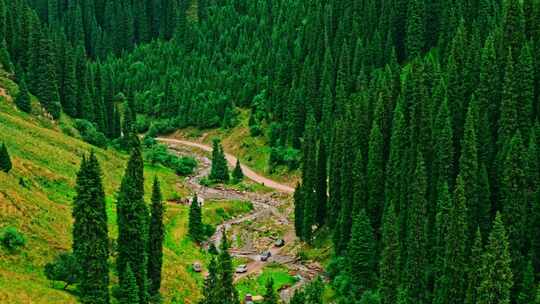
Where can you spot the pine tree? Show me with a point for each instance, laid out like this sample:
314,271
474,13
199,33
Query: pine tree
450,287
237,173
47,86
414,275
211,284
133,224
129,287
527,289
226,291
443,162
468,168
514,199
23,101
155,241
298,210
415,28
362,254
90,233
389,264
375,176
322,182
496,278
196,229
270,296
473,277
5,159
219,171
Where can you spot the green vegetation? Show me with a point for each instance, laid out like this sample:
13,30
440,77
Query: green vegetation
220,169
257,286
12,239
5,159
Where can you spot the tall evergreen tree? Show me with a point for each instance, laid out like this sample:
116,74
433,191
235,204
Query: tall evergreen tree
415,28
133,224
237,173
23,101
414,280
473,277
196,229
496,278
451,283
362,254
226,291
90,233
389,264
220,170
5,159
129,288
155,241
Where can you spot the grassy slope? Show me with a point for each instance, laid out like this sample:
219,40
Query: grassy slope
48,160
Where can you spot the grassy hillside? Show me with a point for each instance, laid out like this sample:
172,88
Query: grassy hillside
36,197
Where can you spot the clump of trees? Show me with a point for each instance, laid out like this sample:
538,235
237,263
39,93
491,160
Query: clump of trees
159,154
88,266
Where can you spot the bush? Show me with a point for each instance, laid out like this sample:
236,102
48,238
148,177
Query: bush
65,268
12,239
160,127
159,154
142,124
89,133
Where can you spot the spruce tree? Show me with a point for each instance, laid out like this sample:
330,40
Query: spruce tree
389,264
450,287
90,233
375,177
468,168
129,288
322,182
496,278
415,28
298,210
475,263
211,284
362,254
23,101
226,291
5,159
416,263
196,229
133,224
155,241
514,199
219,171
237,173
527,289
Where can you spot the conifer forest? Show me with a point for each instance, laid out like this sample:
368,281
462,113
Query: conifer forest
270,151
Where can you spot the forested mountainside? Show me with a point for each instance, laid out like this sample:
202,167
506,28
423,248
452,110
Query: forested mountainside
415,123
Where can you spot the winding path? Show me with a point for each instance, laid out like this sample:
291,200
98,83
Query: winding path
248,172
265,206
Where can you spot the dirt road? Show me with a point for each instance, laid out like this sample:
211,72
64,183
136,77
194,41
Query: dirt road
248,172
266,207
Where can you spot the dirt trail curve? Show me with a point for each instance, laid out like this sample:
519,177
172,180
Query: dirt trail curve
232,161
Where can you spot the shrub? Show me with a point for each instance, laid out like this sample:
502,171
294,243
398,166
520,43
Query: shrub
142,124
65,268
159,154
89,133
12,239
